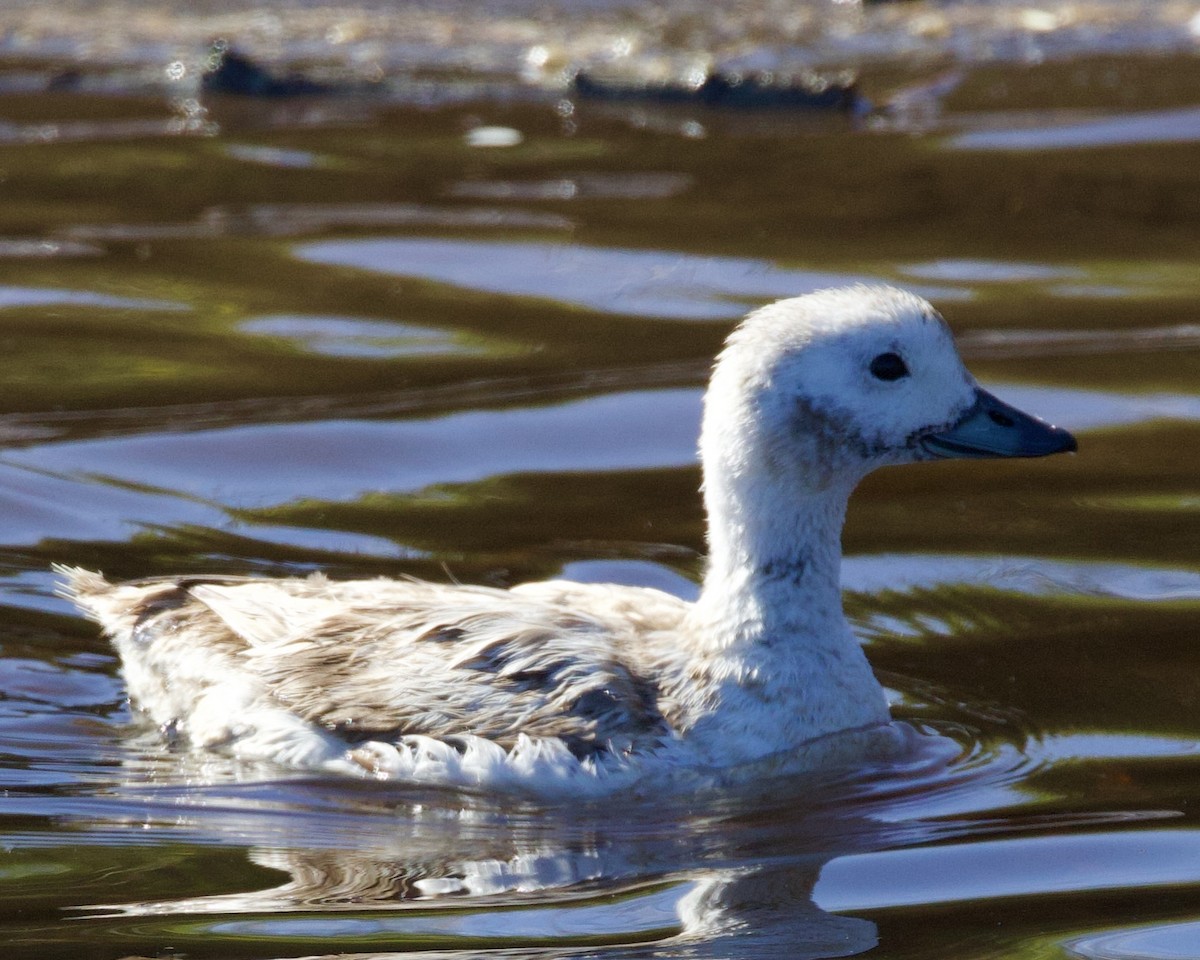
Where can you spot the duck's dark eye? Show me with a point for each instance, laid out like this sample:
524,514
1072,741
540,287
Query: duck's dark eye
888,366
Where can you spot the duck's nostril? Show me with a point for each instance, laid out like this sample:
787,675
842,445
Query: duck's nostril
1000,419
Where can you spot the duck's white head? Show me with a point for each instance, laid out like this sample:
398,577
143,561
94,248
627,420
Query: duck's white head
816,391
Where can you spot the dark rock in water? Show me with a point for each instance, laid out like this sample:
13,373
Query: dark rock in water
230,72
732,90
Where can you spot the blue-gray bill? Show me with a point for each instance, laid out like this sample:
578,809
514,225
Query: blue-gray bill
992,428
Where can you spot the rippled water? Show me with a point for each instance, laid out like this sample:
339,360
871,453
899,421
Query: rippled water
342,332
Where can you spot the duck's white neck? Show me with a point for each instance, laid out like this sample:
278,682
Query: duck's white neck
774,575
781,665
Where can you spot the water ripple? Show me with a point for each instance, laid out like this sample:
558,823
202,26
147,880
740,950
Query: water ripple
1165,941
1013,866
647,283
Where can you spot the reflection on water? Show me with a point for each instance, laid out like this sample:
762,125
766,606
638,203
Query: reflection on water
1014,866
1160,126
342,459
273,156
638,282
672,284
42,297
1169,941
1036,576
986,271
351,337
361,869
376,868
43,249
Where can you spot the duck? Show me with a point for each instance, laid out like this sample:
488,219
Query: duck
582,686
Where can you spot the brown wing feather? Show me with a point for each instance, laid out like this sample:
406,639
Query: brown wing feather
381,659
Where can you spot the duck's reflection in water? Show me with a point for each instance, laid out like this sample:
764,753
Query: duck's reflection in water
674,880
347,901
355,868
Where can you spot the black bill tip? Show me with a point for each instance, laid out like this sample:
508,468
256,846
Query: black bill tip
993,428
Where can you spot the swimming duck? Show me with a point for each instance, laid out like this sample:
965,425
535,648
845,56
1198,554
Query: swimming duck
560,683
